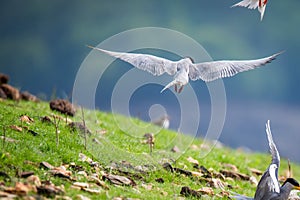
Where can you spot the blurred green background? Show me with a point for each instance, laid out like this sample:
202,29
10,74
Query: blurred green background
43,45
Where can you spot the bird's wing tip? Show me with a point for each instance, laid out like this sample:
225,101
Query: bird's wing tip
89,46
281,52
268,129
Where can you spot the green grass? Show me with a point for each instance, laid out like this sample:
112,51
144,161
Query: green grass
117,144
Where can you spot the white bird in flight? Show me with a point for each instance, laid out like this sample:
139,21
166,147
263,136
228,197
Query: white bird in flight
253,4
186,69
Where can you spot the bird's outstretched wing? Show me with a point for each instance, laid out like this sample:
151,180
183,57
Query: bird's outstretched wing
251,4
153,64
269,181
210,71
273,149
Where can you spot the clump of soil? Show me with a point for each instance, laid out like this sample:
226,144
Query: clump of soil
63,106
11,92
3,78
8,91
28,96
79,126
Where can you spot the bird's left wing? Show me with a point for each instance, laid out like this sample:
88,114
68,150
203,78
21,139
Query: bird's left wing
210,71
274,166
153,64
273,149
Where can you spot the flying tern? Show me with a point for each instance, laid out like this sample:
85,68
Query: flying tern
253,4
186,69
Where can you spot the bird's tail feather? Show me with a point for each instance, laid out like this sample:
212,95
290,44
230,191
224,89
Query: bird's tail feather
262,11
169,85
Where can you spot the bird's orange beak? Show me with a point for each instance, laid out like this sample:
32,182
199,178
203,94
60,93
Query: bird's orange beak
297,187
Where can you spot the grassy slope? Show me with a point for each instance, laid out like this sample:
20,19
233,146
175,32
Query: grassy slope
116,145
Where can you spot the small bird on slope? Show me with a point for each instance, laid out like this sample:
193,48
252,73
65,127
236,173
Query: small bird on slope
163,121
253,4
186,69
268,187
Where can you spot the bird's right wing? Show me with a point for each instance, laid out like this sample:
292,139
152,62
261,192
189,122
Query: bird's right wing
273,149
153,64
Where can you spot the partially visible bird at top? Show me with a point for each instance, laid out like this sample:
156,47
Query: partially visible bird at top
253,4
268,187
186,69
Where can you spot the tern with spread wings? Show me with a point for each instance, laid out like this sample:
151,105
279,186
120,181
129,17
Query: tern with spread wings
186,69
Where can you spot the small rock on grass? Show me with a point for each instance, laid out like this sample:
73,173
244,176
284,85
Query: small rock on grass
26,118
235,175
192,160
2,94
81,197
29,97
81,185
49,190
206,191
7,139
16,128
46,119
160,180
35,180
6,195
80,127
187,192
118,180
46,165
256,171
175,149
25,174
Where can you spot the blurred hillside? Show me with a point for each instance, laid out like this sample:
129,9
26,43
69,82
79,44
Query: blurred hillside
43,45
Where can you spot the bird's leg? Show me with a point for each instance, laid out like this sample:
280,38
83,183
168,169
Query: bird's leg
259,3
180,89
175,87
265,2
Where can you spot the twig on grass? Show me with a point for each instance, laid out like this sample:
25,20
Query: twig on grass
83,121
56,123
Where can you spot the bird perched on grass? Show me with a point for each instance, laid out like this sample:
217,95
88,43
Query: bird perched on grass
186,69
163,121
268,187
253,4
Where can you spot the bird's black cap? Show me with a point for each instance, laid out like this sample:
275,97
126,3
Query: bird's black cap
292,181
